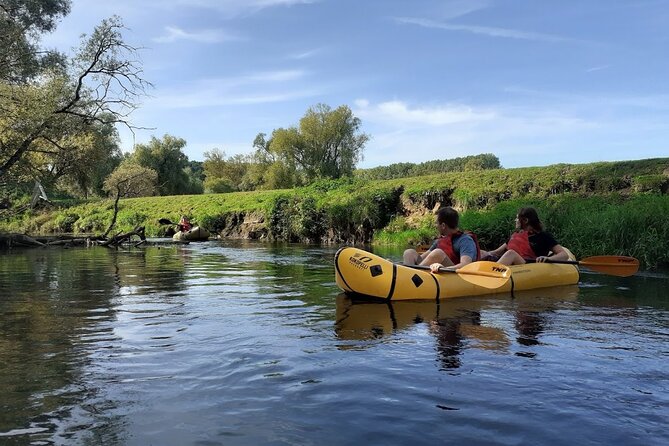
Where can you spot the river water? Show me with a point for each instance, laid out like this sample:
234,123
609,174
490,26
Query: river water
238,343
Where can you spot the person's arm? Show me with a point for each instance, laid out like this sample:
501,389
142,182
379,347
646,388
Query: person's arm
464,260
558,253
499,251
422,256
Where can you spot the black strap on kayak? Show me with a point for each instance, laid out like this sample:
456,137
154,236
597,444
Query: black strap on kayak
392,283
436,282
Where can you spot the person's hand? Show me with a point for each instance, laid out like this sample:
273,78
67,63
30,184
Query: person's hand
435,267
542,259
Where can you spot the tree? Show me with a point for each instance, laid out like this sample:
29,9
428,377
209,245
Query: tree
129,180
166,157
43,105
269,170
327,144
80,170
226,174
21,23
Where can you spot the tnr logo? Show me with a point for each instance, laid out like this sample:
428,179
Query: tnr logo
497,269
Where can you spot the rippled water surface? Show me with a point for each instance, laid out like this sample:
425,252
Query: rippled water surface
250,344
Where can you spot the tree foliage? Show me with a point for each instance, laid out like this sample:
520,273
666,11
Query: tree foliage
166,157
131,180
404,170
21,23
55,113
327,144
90,156
270,170
226,174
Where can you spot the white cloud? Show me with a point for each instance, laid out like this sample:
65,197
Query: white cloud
450,130
483,30
305,54
277,76
598,68
398,112
203,36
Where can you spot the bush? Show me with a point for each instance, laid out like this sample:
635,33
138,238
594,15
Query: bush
65,222
217,186
132,219
650,183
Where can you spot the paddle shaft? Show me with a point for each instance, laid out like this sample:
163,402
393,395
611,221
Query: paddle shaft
584,262
498,274
614,265
442,269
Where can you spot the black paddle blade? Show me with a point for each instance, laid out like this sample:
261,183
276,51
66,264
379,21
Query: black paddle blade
165,221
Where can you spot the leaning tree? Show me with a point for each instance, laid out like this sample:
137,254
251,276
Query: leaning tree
47,103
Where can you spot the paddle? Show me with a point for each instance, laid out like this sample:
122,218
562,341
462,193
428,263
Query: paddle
165,221
621,266
490,275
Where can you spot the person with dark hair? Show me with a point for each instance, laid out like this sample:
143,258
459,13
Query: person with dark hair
529,243
454,248
184,224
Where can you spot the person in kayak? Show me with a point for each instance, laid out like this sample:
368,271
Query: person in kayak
184,224
529,243
454,248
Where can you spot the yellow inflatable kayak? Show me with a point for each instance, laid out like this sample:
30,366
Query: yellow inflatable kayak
362,273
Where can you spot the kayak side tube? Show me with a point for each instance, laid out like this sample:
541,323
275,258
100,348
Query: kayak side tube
365,274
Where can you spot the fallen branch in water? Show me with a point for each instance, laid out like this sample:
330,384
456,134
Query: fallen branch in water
120,238
18,240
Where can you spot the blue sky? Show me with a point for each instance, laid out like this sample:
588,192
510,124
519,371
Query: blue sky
534,82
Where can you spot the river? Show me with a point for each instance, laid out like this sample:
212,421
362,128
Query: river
240,343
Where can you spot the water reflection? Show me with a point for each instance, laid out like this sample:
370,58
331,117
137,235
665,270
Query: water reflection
246,343
456,324
58,308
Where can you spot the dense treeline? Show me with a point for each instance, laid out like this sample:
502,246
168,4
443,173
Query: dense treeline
404,170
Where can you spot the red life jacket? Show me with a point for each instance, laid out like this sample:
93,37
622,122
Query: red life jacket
185,224
445,243
520,242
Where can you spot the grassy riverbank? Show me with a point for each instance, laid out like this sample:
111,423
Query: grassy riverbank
598,208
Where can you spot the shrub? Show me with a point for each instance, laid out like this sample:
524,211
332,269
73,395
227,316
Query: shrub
650,183
65,222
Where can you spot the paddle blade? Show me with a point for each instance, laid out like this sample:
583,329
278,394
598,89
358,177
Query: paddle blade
614,265
489,275
165,221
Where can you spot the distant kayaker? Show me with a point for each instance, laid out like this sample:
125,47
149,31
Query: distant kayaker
529,243
454,248
184,224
